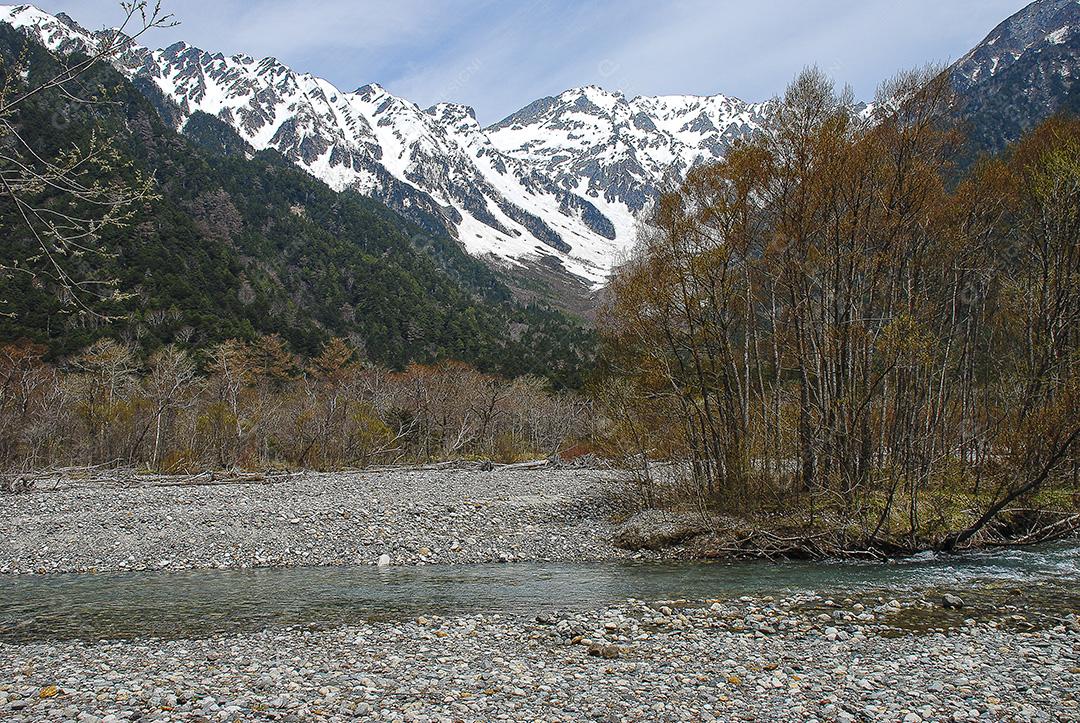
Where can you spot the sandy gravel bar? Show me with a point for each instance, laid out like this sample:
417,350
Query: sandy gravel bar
314,519
742,660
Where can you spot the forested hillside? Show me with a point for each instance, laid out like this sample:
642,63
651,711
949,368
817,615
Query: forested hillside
232,244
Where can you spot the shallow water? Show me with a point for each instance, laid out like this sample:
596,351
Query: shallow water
208,602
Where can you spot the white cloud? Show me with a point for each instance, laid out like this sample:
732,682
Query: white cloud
498,55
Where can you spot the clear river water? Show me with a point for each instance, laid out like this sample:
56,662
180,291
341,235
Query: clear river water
208,602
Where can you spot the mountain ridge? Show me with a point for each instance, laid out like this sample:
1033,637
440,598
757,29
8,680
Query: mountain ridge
1022,72
439,166
562,182
239,243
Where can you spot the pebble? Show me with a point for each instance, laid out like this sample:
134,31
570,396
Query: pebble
795,658
672,661
951,602
317,519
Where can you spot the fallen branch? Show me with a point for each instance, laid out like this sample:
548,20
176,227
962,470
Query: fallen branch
211,478
1047,533
1061,528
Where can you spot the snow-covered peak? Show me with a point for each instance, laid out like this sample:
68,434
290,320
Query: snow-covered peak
22,16
1043,22
618,152
371,91
558,183
56,32
461,119
593,96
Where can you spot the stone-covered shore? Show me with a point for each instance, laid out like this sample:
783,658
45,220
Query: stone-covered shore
442,517
746,659
1012,657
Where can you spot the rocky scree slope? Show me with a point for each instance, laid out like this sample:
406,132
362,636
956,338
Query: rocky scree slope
557,183
560,183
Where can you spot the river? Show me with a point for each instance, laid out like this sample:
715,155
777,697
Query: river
207,602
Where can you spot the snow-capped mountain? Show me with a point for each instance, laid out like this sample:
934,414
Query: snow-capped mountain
1024,71
1040,24
617,150
561,180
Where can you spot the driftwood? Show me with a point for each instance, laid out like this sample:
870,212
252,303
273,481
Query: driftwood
27,481
1059,529
116,474
1055,530
762,544
222,478
17,482
462,465
14,483
536,464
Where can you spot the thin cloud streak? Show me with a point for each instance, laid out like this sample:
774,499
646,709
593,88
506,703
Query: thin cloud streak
498,56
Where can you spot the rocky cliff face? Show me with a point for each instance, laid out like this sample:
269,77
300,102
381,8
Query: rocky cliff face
558,182
1024,71
561,181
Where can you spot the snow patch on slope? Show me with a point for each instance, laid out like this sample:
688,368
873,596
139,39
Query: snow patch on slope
563,180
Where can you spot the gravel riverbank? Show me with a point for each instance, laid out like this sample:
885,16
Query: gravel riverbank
796,659
312,519
1013,656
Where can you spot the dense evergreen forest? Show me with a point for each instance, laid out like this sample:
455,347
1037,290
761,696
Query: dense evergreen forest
229,244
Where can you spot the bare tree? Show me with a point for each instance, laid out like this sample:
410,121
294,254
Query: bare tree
64,201
819,325
168,386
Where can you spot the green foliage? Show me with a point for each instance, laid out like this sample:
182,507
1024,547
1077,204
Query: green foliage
239,246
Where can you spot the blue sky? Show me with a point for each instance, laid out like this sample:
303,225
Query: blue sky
498,56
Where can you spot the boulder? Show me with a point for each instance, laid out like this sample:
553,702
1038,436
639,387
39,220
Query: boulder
656,529
951,602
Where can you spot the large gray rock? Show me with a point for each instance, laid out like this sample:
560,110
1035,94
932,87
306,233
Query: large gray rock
951,602
656,529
